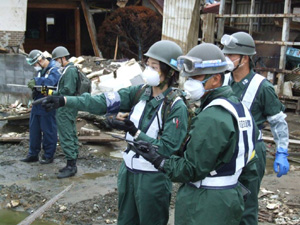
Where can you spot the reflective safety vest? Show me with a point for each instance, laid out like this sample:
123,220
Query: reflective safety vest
132,160
251,91
227,175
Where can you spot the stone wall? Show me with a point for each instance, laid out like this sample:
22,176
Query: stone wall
14,70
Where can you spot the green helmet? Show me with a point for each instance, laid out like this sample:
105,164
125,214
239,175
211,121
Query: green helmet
239,43
203,59
34,56
60,52
165,51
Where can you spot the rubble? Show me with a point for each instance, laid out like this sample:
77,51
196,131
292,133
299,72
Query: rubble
275,208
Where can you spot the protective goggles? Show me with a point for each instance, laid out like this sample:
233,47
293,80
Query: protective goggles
31,61
231,42
189,64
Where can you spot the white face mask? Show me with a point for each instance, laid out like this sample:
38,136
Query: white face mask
151,76
37,68
194,88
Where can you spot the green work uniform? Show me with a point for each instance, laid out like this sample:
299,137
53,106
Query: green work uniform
266,104
66,117
212,143
144,197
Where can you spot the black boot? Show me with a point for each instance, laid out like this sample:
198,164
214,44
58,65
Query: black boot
62,169
68,171
30,159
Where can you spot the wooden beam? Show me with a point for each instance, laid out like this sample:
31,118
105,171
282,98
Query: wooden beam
77,32
35,5
208,34
252,8
91,27
284,37
103,138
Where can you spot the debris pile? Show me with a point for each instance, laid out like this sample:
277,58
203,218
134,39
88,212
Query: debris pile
275,208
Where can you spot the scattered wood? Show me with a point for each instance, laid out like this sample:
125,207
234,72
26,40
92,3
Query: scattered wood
41,210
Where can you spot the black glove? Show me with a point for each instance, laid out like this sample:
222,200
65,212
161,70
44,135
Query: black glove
125,125
53,102
149,152
35,93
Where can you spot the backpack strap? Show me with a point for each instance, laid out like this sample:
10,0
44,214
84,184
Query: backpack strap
139,94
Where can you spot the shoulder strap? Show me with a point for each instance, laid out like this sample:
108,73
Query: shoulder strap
139,94
252,90
48,72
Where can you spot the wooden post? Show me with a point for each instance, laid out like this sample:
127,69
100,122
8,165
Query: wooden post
77,32
252,7
221,21
208,33
233,6
91,27
116,48
285,37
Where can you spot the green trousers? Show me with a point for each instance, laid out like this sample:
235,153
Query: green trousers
198,206
251,178
67,132
144,198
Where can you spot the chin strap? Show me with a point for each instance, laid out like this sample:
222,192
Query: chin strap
166,81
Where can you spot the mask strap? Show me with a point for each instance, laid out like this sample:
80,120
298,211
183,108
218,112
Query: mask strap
239,64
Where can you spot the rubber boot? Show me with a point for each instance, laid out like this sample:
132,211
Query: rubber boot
68,171
62,169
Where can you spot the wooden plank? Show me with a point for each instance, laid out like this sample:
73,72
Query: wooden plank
91,28
103,138
36,5
271,140
208,34
17,117
77,32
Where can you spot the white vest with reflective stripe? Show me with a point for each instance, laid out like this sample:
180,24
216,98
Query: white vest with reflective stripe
252,89
246,133
131,160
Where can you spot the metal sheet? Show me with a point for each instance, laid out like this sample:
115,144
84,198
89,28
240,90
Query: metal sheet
181,22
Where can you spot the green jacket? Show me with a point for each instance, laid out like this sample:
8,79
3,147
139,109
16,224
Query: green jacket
213,137
266,102
174,132
67,84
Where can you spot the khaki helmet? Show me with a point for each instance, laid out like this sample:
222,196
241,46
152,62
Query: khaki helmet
60,52
240,43
34,56
203,59
165,51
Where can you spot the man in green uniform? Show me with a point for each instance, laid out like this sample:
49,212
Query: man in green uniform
221,142
144,192
260,98
66,117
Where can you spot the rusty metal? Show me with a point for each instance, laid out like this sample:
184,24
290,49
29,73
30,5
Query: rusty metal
285,15
278,42
275,70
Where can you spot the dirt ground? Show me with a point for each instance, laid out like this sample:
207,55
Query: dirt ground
93,196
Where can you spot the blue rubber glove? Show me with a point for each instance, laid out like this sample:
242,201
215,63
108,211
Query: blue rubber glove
281,161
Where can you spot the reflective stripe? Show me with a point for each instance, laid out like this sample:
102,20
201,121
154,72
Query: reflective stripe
244,148
113,102
227,79
130,159
252,90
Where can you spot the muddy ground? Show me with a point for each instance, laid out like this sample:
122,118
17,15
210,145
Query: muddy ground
93,196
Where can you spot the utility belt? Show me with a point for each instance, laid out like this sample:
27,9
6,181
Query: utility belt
137,163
